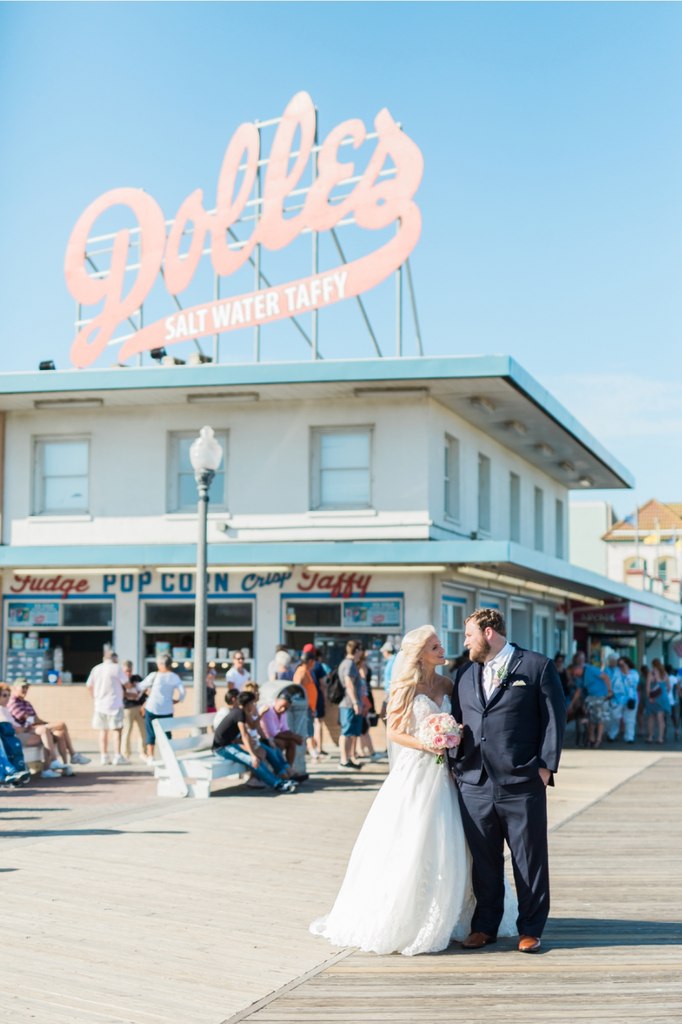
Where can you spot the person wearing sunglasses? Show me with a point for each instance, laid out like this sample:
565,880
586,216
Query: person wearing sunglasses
25,714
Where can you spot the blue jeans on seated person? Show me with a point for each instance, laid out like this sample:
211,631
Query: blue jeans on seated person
275,757
235,752
6,766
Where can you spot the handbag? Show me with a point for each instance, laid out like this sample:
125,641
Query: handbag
656,692
372,719
631,704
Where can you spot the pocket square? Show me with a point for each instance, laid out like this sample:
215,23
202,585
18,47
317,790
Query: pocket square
518,682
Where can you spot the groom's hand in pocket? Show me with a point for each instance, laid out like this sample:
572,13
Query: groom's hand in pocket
545,774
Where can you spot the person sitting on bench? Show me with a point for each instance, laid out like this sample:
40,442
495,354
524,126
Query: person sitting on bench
275,725
233,741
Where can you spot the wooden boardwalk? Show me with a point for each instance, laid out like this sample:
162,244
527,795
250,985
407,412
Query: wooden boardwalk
119,908
612,949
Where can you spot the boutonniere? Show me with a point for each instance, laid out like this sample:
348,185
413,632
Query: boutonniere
500,676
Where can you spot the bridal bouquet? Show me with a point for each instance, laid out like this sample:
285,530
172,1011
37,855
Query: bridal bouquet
441,733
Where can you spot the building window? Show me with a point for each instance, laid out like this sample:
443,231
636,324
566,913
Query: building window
539,520
515,507
665,570
61,476
451,477
182,488
541,638
341,467
634,567
452,636
483,493
559,530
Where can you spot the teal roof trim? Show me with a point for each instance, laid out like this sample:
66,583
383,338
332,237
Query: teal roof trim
254,374
465,552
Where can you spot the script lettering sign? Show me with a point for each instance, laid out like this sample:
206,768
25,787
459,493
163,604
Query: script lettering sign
375,202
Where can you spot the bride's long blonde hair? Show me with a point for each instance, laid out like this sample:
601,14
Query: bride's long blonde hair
411,674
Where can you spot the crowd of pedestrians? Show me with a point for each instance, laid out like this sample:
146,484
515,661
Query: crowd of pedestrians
606,703
125,706
618,700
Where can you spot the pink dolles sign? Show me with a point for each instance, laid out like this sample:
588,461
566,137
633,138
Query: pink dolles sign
375,203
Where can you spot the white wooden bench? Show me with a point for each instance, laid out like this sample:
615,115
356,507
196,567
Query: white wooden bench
192,772
33,756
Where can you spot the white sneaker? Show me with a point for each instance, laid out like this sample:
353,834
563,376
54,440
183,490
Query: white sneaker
68,770
256,784
104,759
119,759
79,759
57,766
150,760
47,773
378,756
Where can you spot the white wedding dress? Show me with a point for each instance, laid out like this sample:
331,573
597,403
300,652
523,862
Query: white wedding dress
408,884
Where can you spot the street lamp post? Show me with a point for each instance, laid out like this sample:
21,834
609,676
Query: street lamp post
205,455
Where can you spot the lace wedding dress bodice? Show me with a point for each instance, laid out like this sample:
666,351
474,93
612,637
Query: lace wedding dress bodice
408,884
422,707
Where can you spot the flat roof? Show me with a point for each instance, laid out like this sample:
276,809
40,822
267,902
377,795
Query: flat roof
512,407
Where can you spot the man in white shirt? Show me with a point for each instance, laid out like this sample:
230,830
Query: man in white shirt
106,682
495,669
237,676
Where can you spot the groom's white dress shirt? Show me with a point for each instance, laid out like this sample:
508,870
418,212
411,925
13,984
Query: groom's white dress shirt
491,668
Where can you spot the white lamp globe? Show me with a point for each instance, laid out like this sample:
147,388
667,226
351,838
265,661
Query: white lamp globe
205,453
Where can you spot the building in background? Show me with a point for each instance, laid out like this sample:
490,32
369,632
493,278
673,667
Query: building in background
355,499
588,521
646,558
647,555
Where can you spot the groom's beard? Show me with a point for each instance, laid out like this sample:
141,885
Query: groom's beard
481,651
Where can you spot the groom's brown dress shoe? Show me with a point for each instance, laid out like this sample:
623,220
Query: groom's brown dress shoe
477,940
529,944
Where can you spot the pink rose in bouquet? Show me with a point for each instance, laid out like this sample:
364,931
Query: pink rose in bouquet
440,733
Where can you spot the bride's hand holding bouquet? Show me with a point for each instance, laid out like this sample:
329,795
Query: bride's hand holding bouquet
438,734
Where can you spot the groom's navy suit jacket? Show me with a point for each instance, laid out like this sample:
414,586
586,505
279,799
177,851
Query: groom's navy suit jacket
520,729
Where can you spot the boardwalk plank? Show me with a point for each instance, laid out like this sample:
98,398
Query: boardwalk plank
612,949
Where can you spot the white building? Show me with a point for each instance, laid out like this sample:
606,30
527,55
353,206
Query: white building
647,555
588,521
356,498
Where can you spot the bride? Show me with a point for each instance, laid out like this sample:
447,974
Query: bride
408,884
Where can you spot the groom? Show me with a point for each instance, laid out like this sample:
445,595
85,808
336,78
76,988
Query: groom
511,705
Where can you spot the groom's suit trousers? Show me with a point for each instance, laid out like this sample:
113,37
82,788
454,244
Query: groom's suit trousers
491,814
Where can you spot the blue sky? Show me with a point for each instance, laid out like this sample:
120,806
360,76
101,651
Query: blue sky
551,195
